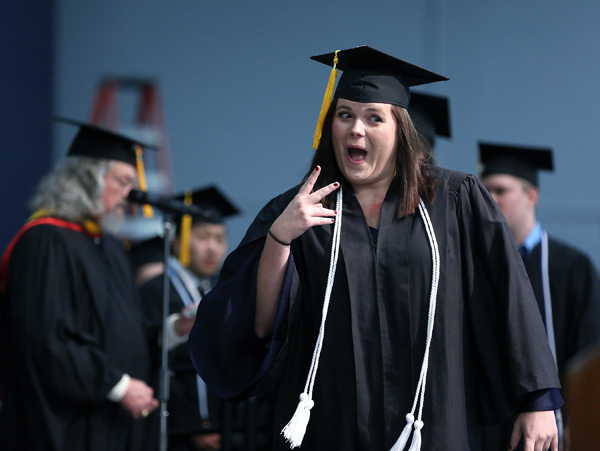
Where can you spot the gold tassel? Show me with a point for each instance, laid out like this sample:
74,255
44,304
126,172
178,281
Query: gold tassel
326,102
186,230
139,164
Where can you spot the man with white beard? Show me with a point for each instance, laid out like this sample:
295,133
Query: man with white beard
74,349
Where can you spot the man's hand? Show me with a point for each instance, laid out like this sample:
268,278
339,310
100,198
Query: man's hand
538,429
207,442
183,325
139,399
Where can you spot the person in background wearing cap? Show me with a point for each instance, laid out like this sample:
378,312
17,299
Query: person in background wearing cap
199,249
74,349
333,292
564,280
431,117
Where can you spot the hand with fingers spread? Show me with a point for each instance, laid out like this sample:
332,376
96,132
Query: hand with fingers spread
304,211
538,429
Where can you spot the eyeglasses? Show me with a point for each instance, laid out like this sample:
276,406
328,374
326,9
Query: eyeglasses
124,182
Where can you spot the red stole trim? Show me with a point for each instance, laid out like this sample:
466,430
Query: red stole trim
46,220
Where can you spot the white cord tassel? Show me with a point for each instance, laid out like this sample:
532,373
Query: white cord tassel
420,392
403,439
294,431
416,441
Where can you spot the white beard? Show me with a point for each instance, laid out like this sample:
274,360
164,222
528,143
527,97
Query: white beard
111,222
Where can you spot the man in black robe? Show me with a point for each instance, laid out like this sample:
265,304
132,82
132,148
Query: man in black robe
565,283
199,248
74,349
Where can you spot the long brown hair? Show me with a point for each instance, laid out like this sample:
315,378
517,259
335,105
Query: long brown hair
411,167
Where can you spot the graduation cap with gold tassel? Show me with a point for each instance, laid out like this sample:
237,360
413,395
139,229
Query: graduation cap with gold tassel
213,207
95,142
369,76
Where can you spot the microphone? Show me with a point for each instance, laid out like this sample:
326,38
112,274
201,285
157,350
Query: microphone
165,204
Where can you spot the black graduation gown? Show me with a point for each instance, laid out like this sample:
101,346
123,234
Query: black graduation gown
488,347
184,414
575,296
70,327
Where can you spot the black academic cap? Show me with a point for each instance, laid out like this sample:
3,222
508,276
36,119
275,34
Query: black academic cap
214,206
518,161
96,142
371,76
430,115
148,251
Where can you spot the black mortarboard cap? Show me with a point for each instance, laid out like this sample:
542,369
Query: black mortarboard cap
431,115
518,161
214,206
96,142
148,251
371,76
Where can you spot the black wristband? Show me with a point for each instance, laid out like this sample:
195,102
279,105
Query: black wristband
283,243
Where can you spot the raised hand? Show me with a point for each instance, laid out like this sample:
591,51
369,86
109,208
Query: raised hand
305,210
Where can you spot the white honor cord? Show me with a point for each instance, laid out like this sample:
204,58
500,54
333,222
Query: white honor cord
549,320
294,431
420,392
547,296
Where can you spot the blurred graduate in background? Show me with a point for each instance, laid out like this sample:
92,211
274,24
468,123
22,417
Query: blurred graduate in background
565,283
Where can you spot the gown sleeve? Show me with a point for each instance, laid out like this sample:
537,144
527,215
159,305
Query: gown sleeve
510,342
225,350
45,315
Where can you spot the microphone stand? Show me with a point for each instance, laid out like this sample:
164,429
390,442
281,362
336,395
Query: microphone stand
165,376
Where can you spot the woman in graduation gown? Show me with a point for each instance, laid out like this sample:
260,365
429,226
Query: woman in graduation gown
337,280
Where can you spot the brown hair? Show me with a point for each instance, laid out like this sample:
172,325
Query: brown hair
411,159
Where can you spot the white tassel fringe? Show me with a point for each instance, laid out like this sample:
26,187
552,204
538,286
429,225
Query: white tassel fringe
294,431
403,439
416,441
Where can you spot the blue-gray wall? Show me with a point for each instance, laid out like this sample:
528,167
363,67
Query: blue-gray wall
26,91
242,97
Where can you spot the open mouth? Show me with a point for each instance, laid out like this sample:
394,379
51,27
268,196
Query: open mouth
357,154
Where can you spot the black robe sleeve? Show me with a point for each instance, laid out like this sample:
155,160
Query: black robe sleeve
48,311
508,333
224,347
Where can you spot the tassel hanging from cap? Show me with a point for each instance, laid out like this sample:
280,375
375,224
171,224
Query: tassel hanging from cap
326,102
139,165
185,232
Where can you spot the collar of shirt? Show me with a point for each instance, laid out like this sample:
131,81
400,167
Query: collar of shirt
533,239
